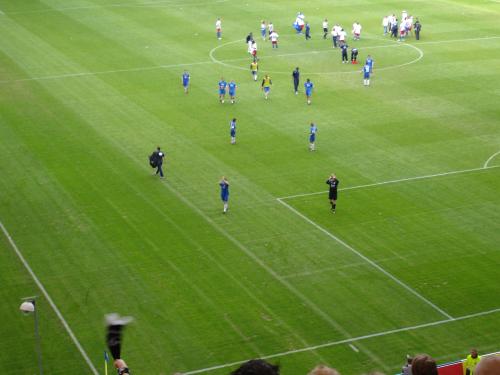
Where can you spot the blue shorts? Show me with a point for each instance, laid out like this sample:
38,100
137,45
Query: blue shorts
185,84
232,93
263,32
233,133
224,197
222,92
366,76
308,93
267,89
312,138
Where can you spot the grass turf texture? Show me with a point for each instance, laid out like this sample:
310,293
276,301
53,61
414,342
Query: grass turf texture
89,88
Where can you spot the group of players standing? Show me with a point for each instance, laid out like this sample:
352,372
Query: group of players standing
339,40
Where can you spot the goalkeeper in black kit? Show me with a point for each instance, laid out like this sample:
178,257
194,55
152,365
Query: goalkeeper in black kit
333,182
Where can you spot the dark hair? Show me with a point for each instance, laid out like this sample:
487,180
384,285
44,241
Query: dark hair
423,364
257,367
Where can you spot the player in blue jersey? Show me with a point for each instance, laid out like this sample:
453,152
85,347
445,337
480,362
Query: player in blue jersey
369,62
312,137
308,86
224,193
185,81
232,130
366,75
232,91
222,89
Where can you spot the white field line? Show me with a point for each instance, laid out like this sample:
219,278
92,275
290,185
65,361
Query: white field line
49,300
83,74
394,44
337,268
399,180
459,40
354,348
349,340
491,157
149,4
368,260
223,62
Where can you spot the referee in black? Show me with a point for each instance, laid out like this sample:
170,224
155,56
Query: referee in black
332,194
296,76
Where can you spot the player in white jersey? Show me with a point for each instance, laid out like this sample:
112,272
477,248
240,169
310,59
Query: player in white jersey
356,30
254,49
218,28
402,31
342,36
385,24
270,27
274,39
325,28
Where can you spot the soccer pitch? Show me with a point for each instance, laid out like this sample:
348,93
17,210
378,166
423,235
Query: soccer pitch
408,263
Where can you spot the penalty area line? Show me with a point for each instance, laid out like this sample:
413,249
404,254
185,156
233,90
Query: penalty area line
427,176
368,260
348,341
49,300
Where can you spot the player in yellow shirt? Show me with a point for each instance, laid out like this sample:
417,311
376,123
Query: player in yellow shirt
266,85
254,67
471,362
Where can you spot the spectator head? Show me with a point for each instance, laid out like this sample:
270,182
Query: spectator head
257,367
423,364
488,366
323,370
473,353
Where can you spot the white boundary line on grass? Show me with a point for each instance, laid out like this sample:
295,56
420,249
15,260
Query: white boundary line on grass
168,66
368,260
490,158
49,300
349,340
400,180
149,4
390,45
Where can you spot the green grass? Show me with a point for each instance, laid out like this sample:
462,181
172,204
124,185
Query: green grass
89,88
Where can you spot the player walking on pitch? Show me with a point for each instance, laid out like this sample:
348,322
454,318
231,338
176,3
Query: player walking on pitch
232,91
366,75
266,85
224,193
254,68
309,87
232,130
222,89
185,81
312,136
296,78
333,182
218,28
